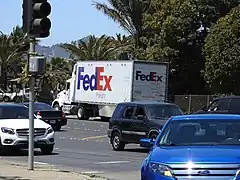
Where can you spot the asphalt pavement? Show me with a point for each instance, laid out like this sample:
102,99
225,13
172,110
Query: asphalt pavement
83,146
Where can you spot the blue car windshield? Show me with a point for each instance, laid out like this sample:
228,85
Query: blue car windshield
201,132
162,111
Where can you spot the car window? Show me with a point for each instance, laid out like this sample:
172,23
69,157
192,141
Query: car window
220,105
162,111
118,111
128,112
139,112
235,106
14,113
41,106
201,132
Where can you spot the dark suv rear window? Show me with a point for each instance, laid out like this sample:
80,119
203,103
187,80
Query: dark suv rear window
118,111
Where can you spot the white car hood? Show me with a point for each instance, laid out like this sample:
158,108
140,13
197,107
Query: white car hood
22,123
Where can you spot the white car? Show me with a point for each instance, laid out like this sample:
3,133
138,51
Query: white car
14,130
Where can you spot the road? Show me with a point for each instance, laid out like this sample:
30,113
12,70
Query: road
83,146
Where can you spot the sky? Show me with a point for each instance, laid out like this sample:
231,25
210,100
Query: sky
71,20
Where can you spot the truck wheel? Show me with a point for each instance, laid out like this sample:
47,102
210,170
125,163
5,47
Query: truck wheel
6,99
47,150
56,107
80,113
116,142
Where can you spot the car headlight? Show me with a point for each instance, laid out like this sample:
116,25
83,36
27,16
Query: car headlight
49,130
162,169
7,130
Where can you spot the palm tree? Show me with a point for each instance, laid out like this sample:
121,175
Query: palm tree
102,48
127,47
128,14
12,47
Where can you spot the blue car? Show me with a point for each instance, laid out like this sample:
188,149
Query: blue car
201,146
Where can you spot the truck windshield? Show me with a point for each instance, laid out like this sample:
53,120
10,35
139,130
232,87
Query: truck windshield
201,132
162,111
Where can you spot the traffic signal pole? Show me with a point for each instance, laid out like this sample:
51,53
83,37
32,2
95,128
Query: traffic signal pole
31,93
31,111
37,25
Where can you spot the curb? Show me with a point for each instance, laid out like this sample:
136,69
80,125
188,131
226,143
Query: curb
49,167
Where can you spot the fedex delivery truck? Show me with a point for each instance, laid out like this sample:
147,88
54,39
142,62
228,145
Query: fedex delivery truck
96,87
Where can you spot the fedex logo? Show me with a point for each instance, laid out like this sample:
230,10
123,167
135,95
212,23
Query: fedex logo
95,81
152,76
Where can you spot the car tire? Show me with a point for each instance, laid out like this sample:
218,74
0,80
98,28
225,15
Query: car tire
153,136
6,99
57,128
47,150
2,149
80,113
116,142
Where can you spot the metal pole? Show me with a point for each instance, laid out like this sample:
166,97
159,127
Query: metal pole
31,114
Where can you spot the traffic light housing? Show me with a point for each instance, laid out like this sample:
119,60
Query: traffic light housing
35,18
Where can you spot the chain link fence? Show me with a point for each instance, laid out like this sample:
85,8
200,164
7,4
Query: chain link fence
191,103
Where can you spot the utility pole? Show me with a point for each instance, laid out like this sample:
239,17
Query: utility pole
37,25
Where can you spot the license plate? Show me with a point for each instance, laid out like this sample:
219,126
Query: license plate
52,121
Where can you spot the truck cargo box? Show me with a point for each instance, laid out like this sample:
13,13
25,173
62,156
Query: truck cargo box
111,82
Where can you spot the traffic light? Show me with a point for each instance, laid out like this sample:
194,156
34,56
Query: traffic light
35,18
40,23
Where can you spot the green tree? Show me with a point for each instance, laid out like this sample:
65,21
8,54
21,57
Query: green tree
128,14
174,35
102,48
12,47
222,52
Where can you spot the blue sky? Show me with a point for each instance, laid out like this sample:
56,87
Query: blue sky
71,20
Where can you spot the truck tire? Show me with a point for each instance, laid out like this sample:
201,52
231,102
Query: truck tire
80,113
6,99
56,106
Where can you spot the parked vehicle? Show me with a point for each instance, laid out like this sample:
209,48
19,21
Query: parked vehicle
222,105
204,146
96,87
43,111
14,124
135,120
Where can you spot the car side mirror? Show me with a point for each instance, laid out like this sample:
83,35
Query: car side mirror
146,142
140,117
204,108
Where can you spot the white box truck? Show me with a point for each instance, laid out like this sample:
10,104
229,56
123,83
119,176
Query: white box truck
96,87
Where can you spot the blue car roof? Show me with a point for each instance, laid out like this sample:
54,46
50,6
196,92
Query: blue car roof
206,117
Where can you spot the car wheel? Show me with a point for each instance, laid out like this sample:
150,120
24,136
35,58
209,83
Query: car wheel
47,150
116,142
57,128
153,136
80,113
56,107
6,99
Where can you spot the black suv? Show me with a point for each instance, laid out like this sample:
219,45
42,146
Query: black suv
223,105
132,121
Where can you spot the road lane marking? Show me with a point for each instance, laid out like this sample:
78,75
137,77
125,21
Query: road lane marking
41,163
93,137
93,172
112,162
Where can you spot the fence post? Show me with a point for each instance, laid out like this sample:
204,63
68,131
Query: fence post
189,104
207,100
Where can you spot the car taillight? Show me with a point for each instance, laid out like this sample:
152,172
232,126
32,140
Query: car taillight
38,114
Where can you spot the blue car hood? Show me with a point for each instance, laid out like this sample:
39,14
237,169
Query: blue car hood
210,154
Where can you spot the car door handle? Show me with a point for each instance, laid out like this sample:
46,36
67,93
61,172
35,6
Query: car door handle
133,124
